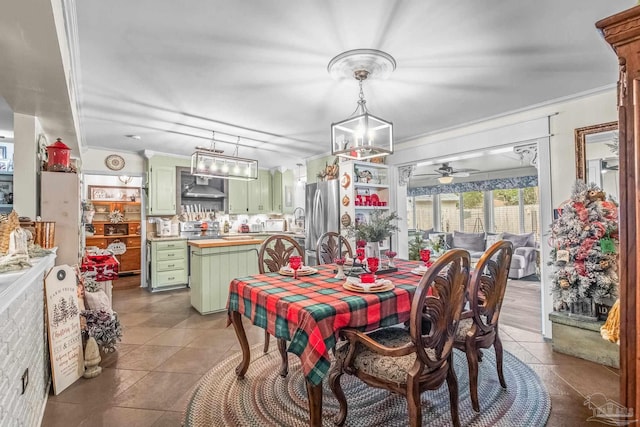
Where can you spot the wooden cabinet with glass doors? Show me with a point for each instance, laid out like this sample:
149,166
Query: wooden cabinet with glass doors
116,224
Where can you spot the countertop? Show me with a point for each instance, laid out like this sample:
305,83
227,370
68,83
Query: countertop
221,243
163,239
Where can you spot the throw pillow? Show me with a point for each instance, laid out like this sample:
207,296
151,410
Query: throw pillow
473,242
98,301
492,239
427,233
519,240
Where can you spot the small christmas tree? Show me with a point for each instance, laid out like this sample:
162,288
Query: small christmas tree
584,248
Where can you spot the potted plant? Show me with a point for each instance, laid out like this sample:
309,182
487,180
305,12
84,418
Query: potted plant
104,327
379,226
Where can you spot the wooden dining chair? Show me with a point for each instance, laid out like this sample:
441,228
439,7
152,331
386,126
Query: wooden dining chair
274,254
411,361
332,245
478,328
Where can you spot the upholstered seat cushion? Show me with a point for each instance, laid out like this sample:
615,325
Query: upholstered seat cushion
463,327
387,368
518,261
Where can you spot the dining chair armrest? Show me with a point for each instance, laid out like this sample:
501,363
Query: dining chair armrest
355,337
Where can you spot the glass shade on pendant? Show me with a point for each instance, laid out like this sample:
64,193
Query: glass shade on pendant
208,163
448,179
362,137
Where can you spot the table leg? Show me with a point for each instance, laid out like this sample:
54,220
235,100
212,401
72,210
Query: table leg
314,393
236,319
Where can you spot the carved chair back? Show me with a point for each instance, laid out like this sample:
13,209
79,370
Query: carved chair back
332,245
275,251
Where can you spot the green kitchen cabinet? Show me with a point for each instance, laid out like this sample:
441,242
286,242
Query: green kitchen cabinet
237,197
276,191
161,184
259,193
213,269
251,197
282,191
169,264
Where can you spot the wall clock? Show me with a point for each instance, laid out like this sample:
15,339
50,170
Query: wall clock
114,162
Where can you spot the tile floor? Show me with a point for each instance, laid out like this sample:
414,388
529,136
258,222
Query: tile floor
167,347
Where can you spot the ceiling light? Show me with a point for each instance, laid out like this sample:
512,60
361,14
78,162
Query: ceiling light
446,179
134,136
363,135
204,162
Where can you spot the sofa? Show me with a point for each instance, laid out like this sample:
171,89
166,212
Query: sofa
523,261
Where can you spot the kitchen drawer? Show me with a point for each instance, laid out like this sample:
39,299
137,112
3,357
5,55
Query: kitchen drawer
132,241
172,244
99,229
171,255
166,278
178,264
99,242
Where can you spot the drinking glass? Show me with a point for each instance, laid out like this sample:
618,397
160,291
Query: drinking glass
360,254
372,264
294,262
425,256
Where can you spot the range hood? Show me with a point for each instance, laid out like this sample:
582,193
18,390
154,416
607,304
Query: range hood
202,188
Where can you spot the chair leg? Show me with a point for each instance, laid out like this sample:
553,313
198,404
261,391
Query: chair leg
413,402
472,361
282,349
334,382
452,383
266,342
497,345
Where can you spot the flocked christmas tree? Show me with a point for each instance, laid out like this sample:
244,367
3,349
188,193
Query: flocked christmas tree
584,248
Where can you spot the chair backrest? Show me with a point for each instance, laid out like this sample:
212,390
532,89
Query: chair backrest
437,306
488,284
275,251
329,247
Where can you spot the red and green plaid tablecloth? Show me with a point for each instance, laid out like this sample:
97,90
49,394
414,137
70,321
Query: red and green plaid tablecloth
310,311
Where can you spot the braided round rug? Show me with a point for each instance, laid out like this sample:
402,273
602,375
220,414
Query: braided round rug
263,398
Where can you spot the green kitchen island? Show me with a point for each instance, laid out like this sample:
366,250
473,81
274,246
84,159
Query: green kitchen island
214,264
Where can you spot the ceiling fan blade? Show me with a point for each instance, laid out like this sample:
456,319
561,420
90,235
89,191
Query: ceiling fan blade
459,174
466,170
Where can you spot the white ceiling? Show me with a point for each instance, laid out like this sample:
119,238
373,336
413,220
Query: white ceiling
172,72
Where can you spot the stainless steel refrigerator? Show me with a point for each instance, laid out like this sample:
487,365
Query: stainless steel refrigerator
322,210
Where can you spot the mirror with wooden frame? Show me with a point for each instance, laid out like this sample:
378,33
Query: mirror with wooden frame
597,156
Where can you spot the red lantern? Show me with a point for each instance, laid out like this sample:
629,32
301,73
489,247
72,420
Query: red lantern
58,154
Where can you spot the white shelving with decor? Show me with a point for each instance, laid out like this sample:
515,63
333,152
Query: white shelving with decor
364,187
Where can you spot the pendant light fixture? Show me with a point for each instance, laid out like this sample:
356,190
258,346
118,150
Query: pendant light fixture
362,135
211,163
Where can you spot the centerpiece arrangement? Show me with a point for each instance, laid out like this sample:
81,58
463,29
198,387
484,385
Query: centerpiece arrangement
379,227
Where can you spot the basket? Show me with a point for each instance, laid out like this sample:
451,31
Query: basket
8,223
45,234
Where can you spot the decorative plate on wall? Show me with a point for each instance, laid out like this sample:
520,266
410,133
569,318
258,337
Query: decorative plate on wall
114,162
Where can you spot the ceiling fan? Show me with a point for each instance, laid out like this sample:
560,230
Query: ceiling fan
446,173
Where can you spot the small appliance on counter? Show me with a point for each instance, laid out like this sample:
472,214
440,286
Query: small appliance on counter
244,228
199,230
275,225
163,227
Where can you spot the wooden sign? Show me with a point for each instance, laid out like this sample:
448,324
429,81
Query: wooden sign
63,315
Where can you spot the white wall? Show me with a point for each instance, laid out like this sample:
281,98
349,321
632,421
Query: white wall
25,161
93,162
556,153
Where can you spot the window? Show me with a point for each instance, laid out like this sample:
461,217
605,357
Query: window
531,199
506,211
473,211
449,212
423,212
515,210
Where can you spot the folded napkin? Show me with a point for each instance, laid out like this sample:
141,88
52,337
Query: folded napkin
379,283
288,269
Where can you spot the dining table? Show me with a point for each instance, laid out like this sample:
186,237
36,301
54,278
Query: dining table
310,311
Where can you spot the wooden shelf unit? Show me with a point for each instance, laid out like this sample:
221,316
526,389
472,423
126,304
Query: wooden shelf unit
127,232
